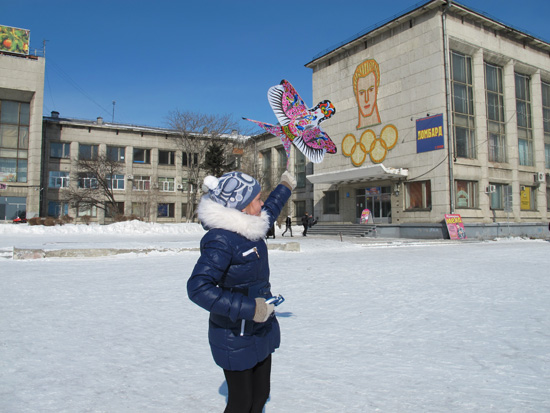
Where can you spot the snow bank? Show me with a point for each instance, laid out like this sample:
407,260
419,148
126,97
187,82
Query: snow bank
127,227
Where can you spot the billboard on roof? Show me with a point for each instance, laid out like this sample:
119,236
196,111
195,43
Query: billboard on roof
14,40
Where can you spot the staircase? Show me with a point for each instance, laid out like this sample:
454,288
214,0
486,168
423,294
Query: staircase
346,230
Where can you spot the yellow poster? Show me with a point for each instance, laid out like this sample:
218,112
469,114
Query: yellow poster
525,199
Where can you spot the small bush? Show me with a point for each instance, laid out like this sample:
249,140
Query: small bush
123,218
86,219
66,219
49,222
36,221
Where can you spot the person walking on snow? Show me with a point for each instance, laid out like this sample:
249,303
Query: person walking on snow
231,281
288,224
305,223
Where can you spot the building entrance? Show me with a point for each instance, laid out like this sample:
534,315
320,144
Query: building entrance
378,200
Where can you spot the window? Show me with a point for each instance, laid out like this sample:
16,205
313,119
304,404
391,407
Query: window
86,210
266,169
463,105
87,181
88,152
140,209
142,155
14,140
331,202
235,161
60,150
466,194
299,208
523,114
496,123
300,170
184,210
112,212
8,169
185,185
418,195
527,198
141,183
116,153
282,161
502,197
57,209
116,182
167,157
12,206
189,159
166,184
165,211
546,120
58,179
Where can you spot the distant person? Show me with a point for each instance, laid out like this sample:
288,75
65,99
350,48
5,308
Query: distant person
270,232
231,281
305,224
312,221
288,224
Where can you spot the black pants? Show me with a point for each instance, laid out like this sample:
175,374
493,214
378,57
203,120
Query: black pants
305,231
290,228
249,389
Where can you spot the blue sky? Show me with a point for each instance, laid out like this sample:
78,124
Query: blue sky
207,56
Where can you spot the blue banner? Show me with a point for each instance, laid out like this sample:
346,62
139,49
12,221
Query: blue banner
429,134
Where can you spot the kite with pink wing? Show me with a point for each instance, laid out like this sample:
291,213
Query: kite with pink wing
299,125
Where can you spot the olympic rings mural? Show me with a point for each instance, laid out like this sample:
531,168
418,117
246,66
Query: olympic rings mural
376,147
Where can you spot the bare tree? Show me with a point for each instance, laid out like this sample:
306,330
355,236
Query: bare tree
95,184
193,133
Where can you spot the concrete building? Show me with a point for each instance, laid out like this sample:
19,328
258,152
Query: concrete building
151,183
440,110
21,99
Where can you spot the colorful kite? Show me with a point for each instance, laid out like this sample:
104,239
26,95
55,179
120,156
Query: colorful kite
298,124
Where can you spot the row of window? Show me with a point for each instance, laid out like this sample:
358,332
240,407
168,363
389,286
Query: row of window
141,209
60,179
14,140
62,150
418,195
464,114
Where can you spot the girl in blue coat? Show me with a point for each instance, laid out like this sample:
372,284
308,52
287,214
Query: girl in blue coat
231,281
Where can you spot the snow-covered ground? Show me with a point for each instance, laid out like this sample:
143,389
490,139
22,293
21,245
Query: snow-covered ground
389,326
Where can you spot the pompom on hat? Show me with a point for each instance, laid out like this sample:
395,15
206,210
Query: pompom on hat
232,190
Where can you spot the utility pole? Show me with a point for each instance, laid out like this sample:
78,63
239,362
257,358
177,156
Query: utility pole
114,103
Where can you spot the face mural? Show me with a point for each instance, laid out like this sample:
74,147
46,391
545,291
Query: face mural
366,82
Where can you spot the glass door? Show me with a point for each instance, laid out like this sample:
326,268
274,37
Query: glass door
378,200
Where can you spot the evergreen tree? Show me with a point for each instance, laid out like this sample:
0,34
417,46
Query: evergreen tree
214,160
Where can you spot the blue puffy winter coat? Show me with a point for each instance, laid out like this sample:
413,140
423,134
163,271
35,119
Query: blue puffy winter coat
232,271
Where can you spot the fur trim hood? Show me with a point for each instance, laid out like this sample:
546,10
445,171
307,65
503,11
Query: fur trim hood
214,215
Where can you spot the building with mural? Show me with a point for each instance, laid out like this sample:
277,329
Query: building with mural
440,110
21,99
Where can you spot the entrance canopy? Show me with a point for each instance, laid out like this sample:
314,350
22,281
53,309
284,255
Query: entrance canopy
363,174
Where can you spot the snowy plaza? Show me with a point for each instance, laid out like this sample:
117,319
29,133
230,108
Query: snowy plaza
368,325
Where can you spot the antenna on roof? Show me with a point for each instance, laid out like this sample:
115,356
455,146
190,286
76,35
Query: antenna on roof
114,103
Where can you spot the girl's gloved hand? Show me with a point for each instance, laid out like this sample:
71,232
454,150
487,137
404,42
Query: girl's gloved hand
263,310
288,180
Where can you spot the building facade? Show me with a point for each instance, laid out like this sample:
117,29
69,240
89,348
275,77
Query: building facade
151,183
21,100
441,110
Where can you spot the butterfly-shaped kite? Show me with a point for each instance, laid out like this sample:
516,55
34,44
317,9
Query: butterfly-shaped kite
297,123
